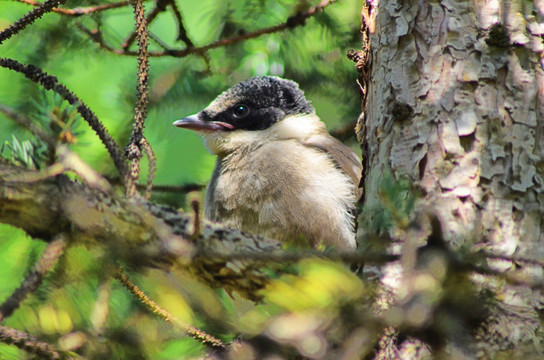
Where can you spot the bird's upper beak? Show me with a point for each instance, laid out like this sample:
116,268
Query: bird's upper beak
193,122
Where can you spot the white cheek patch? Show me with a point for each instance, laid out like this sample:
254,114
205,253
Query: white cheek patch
292,127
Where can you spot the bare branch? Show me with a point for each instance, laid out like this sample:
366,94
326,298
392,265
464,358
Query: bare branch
296,20
80,11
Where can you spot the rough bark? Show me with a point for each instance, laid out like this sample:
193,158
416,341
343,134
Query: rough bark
136,233
456,104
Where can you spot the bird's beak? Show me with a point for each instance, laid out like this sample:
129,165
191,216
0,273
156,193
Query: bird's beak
193,122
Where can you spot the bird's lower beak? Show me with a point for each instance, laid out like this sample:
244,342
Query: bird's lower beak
193,122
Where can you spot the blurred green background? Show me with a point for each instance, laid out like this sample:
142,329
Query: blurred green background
313,55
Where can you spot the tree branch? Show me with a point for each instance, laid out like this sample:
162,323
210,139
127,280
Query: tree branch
133,150
296,20
152,306
29,18
80,11
50,82
29,343
138,233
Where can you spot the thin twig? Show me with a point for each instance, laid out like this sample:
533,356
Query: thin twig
179,189
67,161
183,189
133,150
281,256
160,7
152,160
50,82
152,306
34,278
71,161
296,20
29,18
158,41
80,11
32,345
182,32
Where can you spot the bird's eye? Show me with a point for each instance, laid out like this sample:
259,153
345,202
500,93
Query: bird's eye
240,111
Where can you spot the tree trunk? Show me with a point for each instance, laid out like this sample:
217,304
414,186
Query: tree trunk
455,104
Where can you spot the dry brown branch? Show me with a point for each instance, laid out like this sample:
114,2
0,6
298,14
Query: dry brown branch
35,277
80,11
296,20
153,307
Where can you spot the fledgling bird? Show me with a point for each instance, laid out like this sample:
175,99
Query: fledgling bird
278,174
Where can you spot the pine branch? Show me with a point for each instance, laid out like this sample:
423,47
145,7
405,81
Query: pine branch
153,307
50,82
29,18
34,278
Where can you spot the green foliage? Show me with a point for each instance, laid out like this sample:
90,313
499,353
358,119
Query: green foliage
66,307
26,153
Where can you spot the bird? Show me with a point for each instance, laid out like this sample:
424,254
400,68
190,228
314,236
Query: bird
278,173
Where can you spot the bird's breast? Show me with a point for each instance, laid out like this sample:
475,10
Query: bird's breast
285,191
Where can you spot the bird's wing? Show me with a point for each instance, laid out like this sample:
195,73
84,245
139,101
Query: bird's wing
341,154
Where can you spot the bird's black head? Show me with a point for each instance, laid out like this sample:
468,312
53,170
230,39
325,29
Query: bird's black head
256,104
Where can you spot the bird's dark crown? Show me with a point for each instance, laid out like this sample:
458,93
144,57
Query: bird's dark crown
258,103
